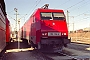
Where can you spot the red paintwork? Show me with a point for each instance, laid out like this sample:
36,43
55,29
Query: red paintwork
7,30
59,26
36,27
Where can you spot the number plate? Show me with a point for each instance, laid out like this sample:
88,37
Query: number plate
54,34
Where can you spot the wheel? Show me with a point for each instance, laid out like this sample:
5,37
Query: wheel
32,44
39,45
65,45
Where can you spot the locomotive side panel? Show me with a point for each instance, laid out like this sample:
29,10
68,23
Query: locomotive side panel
8,32
26,32
21,33
37,26
29,31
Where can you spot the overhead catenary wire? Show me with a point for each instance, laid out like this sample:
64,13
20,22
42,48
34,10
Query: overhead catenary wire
82,19
27,14
9,12
36,4
81,13
11,17
77,4
74,5
64,3
22,16
80,6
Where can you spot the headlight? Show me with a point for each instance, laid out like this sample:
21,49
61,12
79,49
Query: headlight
44,34
63,33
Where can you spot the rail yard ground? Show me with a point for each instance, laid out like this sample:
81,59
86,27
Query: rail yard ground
80,37
23,53
74,50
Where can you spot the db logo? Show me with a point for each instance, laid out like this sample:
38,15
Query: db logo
53,23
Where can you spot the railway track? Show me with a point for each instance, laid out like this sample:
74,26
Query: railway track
66,56
76,57
59,56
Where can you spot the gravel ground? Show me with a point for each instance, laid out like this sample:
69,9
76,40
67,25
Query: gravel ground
74,50
20,54
78,50
79,46
27,53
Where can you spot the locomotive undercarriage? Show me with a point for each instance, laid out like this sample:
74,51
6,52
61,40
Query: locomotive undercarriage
52,44
51,48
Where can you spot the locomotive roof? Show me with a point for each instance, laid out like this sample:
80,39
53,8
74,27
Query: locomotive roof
49,10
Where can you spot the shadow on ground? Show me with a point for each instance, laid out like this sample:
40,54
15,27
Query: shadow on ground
13,53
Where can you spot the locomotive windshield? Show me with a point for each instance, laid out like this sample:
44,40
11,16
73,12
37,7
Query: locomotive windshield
58,16
46,16
53,16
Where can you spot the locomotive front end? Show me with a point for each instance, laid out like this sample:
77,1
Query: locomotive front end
54,32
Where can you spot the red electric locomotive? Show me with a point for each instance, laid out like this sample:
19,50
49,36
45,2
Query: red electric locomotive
46,28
